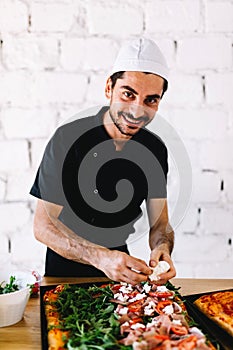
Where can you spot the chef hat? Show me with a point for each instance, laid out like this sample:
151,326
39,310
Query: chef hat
141,55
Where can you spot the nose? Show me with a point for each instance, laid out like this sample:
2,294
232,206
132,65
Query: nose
137,110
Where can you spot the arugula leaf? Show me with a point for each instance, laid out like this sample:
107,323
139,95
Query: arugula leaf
9,287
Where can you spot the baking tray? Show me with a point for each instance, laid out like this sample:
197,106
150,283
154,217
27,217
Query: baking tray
215,334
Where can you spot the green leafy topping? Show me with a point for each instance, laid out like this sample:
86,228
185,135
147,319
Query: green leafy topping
9,287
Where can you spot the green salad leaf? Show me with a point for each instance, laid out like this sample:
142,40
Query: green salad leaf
9,287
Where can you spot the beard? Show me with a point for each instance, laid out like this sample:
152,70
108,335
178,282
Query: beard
134,127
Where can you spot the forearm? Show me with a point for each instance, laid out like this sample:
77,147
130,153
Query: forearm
162,237
53,233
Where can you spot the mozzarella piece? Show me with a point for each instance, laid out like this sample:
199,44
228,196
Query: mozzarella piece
123,311
121,297
138,296
161,267
146,287
138,325
168,310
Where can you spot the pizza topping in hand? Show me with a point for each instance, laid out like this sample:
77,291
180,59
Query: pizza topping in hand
161,267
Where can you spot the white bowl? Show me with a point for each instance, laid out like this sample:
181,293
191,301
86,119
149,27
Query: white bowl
12,306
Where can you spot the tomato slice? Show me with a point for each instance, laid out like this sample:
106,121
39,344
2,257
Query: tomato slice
105,285
135,305
188,343
179,330
161,305
116,287
161,294
136,320
161,337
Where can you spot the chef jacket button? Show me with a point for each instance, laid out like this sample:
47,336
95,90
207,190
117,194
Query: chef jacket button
95,154
95,191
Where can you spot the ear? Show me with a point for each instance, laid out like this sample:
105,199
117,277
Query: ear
108,88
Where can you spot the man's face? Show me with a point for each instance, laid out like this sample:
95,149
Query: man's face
134,101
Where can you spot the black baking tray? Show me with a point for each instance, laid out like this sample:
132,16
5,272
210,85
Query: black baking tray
216,335
214,331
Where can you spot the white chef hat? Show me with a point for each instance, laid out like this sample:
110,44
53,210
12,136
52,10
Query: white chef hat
141,55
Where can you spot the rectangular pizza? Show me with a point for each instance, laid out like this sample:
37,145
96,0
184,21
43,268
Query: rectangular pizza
120,316
218,307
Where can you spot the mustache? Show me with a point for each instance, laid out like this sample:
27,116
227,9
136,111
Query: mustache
130,116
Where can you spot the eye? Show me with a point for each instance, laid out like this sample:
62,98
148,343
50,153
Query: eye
127,94
152,100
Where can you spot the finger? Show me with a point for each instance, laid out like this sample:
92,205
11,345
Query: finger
139,266
134,277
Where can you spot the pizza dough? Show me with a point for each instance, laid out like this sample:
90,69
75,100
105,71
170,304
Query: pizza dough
161,267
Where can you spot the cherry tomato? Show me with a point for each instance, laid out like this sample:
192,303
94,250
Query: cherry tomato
179,330
188,343
116,287
135,305
105,285
161,294
161,305
136,320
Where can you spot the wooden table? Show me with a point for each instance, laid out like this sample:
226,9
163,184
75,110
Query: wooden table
25,334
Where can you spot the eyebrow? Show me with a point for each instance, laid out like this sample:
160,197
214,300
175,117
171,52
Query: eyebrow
136,93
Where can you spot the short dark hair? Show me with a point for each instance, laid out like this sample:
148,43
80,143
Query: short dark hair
119,75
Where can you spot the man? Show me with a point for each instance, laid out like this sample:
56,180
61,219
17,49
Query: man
97,171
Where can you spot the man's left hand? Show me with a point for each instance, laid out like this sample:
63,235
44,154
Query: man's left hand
161,254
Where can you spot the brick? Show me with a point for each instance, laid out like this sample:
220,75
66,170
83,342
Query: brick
228,185
219,16
30,52
204,53
206,187
184,90
189,222
2,188
96,89
200,249
13,16
215,155
172,16
113,19
18,187
215,83
21,215
93,53
5,260
51,17
201,123
184,270
212,220
60,88
28,123
222,269
17,88
22,242
37,150
13,155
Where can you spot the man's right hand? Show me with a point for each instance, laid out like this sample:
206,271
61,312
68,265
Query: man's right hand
121,267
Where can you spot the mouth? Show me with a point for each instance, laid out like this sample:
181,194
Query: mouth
135,122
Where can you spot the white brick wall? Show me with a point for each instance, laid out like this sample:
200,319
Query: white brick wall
54,60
